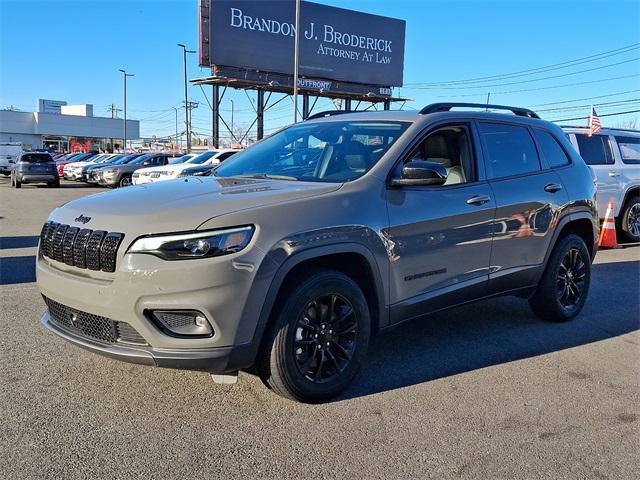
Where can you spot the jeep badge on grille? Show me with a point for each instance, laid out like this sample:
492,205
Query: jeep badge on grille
82,219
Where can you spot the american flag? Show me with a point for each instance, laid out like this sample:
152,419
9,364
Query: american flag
594,122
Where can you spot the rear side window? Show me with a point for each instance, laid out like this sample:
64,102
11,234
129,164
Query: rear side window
629,149
509,150
36,158
551,149
595,150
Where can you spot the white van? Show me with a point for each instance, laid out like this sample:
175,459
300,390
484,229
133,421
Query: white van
9,151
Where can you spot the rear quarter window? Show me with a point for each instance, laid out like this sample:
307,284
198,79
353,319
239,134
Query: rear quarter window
509,150
595,149
629,149
551,150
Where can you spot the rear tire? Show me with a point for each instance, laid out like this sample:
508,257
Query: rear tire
630,220
319,339
564,286
17,183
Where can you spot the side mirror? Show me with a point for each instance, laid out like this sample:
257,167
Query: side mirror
421,173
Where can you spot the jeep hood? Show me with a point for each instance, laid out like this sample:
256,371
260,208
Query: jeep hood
180,205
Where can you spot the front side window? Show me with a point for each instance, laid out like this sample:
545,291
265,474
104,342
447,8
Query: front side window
551,149
450,147
629,149
329,151
509,150
595,149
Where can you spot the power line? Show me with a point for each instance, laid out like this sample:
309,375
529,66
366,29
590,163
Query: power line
463,87
575,107
556,66
603,115
543,88
585,98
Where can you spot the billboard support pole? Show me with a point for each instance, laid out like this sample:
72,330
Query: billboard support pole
347,104
305,106
387,104
260,114
215,116
296,58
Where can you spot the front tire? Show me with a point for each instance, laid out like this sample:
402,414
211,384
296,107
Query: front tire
319,340
17,183
630,220
564,286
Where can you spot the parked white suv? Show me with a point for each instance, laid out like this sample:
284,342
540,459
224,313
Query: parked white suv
170,172
614,156
144,174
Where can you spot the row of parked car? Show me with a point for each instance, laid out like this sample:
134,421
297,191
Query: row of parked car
110,170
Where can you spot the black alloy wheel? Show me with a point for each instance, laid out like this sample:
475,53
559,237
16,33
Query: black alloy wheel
325,338
318,339
571,278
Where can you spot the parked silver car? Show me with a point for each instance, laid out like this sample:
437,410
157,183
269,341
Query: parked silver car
614,156
294,252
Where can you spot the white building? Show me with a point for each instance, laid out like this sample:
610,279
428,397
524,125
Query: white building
65,128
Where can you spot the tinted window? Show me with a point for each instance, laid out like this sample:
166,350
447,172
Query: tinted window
595,149
629,149
203,157
551,149
36,158
509,150
224,156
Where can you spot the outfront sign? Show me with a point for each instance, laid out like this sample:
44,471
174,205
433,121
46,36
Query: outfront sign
335,43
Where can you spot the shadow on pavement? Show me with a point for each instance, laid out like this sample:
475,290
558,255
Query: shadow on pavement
497,331
18,242
17,270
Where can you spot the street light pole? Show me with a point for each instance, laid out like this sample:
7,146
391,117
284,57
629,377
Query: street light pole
296,58
124,76
186,100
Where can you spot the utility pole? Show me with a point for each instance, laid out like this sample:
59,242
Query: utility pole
296,57
124,76
232,109
114,111
177,142
186,100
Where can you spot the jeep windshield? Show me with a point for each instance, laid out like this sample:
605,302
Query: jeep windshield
335,151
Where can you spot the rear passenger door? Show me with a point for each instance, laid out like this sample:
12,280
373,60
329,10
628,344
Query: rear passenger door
528,195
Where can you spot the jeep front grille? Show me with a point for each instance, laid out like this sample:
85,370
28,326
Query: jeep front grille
82,248
93,327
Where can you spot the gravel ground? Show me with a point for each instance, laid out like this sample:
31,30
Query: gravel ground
483,391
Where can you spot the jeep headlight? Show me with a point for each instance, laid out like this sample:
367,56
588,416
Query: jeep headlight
213,243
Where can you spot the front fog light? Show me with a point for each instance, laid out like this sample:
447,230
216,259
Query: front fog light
183,323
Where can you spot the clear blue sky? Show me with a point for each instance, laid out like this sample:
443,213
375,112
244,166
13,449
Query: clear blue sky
72,50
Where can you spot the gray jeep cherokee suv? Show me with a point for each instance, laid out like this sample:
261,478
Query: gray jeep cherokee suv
297,250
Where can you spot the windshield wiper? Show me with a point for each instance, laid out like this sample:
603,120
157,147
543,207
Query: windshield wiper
268,176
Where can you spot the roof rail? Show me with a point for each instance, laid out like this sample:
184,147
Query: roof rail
445,107
328,113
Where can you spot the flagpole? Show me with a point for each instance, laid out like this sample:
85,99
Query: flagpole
591,120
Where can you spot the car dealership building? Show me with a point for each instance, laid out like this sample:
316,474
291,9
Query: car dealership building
63,128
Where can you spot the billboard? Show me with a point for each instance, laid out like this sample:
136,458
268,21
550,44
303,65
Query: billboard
335,43
50,106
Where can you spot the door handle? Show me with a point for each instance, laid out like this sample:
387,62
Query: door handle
479,199
614,174
552,188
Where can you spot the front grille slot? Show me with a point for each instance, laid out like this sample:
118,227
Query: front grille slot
93,327
81,248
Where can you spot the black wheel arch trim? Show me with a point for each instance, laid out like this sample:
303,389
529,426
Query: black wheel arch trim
569,218
279,273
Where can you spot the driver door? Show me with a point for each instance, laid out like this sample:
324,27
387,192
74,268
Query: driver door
439,237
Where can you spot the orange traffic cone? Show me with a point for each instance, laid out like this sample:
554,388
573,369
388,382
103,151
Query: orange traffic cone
608,238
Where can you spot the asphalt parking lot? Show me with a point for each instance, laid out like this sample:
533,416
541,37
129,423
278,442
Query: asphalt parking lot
483,391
